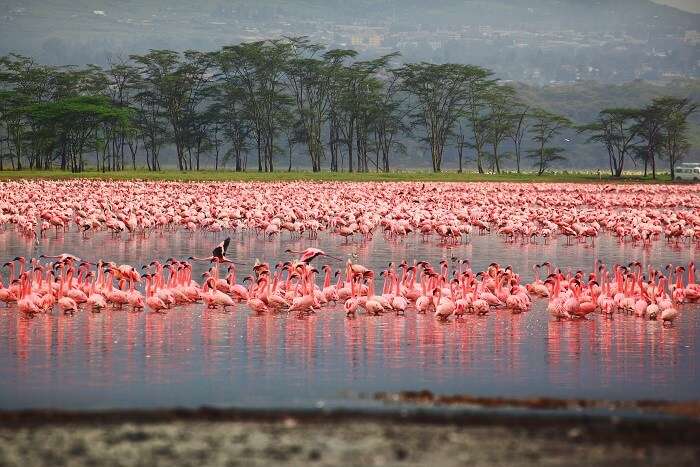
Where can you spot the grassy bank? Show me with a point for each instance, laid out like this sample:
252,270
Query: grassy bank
226,175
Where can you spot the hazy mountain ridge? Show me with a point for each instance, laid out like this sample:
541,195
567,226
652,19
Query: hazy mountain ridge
539,41
438,11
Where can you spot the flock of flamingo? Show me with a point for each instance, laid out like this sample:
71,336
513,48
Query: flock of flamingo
69,283
450,213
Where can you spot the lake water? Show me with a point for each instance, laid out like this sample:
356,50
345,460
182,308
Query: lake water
192,356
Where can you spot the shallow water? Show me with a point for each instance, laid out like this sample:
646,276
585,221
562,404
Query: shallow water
193,356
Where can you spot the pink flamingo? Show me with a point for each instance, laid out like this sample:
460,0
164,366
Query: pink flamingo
95,300
310,253
155,303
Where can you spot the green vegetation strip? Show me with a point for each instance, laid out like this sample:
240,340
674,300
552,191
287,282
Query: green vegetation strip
409,176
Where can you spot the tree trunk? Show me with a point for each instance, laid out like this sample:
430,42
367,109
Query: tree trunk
495,158
461,155
270,152
619,168
436,159
541,169
333,144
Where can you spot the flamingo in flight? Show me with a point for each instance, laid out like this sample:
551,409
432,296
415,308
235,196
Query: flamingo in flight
62,258
218,254
310,253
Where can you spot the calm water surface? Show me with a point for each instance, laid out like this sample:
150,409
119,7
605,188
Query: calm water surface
193,356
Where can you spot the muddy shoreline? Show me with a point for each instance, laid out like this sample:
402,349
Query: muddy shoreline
662,427
687,409
209,436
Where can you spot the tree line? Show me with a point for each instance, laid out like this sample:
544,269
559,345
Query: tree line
265,99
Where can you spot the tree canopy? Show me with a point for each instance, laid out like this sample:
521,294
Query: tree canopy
292,98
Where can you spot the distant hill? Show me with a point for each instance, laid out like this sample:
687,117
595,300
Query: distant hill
577,14
33,21
537,41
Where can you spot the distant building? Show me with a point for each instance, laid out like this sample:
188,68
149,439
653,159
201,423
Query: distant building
692,37
375,40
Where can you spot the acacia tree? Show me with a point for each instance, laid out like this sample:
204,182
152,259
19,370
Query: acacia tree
545,127
376,119
215,123
237,129
649,123
76,120
499,100
122,81
161,100
198,139
239,90
478,87
294,134
615,128
366,113
254,94
26,83
388,121
461,143
3,138
233,101
308,80
13,118
517,129
175,85
341,113
350,105
440,92
674,113
258,68
150,122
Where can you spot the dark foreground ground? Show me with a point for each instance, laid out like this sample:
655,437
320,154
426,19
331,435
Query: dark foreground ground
226,438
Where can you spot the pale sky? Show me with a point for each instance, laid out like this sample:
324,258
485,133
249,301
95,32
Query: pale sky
688,5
